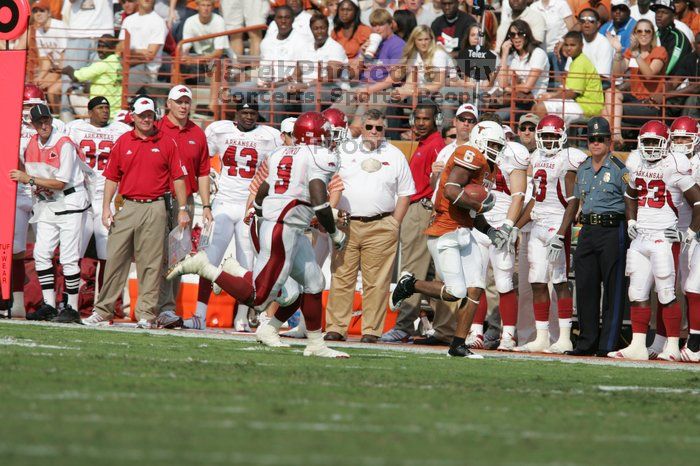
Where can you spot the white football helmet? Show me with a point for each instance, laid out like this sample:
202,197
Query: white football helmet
685,127
653,141
487,134
551,124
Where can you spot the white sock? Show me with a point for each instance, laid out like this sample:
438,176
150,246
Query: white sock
542,334
672,344
73,301
564,323
315,338
18,309
639,339
694,332
201,311
49,297
542,325
477,329
508,332
275,322
564,332
242,314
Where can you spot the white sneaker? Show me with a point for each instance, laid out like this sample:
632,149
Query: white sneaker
670,354
475,341
322,351
689,356
507,343
195,323
190,264
263,319
231,266
559,347
269,336
96,320
146,324
540,344
168,319
241,326
297,332
637,353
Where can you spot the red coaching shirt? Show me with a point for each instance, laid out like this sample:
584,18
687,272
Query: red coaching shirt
192,148
144,167
422,162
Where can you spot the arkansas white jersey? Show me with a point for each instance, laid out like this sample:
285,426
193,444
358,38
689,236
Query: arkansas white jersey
291,171
660,187
515,157
95,143
241,153
685,211
548,183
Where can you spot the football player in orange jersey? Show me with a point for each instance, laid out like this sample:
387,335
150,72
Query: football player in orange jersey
456,254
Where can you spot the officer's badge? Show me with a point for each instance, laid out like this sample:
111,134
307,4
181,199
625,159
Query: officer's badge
606,177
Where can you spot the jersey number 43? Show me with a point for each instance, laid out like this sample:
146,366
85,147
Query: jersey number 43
244,164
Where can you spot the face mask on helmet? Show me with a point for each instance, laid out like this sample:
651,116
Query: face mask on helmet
684,145
550,142
494,149
652,148
338,134
490,139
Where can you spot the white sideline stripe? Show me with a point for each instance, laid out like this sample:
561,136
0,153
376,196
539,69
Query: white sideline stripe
380,350
11,341
636,388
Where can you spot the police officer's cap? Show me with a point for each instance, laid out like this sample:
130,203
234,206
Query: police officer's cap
598,126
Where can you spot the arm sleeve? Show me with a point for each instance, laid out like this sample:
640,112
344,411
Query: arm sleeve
69,158
112,172
577,189
212,145
177,170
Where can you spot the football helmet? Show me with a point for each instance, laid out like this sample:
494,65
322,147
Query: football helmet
653,141
312,129
487,134
339,123
685,127
551,124
33,95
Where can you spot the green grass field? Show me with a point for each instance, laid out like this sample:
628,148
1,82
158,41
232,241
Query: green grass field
73,396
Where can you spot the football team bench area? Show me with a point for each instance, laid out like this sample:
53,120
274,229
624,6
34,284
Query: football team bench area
116,395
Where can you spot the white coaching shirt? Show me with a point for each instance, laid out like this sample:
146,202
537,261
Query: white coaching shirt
373,179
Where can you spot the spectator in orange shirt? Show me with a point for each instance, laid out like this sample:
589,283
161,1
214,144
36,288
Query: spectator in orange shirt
601,6
685,13
348,31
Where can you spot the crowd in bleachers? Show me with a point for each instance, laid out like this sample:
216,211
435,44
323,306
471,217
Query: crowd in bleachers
636,61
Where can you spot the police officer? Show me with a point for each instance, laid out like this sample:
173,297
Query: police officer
600,255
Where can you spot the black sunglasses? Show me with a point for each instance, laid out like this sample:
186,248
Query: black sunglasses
524,128
517,34
467,120
598,139
451,135
379,128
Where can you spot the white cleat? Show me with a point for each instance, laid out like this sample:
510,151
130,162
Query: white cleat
146,324
322,351
243,327
559,347
689,356
506,344
669,354
636,353
475,341
96,320
231,266
269,336
195,323
190,264
297,332
540,345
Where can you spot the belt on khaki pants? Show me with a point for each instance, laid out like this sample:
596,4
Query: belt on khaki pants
372,218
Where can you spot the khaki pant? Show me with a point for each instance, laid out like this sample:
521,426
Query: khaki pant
414,258
170,288
137,232
371,248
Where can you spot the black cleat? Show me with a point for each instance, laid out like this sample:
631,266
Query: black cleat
462,351
5,308
405,287
45,312
68,315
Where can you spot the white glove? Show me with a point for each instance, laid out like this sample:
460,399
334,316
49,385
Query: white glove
673,235
487,204
555,248
503,234
632,229
689,237
339,239
497,238
513,239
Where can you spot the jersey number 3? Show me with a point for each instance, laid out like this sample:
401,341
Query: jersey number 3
96,154
658,198
284,173
249,158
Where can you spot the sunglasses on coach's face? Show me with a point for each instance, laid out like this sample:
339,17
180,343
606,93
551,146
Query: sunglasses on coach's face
525,128
598,139
379,128
467,120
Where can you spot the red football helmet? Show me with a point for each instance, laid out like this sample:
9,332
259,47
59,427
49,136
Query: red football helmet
653,140
312,129
339,123
551,124
685,127
33,95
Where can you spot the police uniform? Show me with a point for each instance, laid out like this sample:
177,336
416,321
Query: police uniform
601,251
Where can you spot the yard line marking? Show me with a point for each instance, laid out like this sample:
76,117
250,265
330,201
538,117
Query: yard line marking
25,343
636,388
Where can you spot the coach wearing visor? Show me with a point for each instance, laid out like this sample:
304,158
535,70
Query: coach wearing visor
601,252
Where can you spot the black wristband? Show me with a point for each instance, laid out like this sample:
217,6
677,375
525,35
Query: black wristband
208,206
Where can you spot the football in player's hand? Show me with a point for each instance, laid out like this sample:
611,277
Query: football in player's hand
476,192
